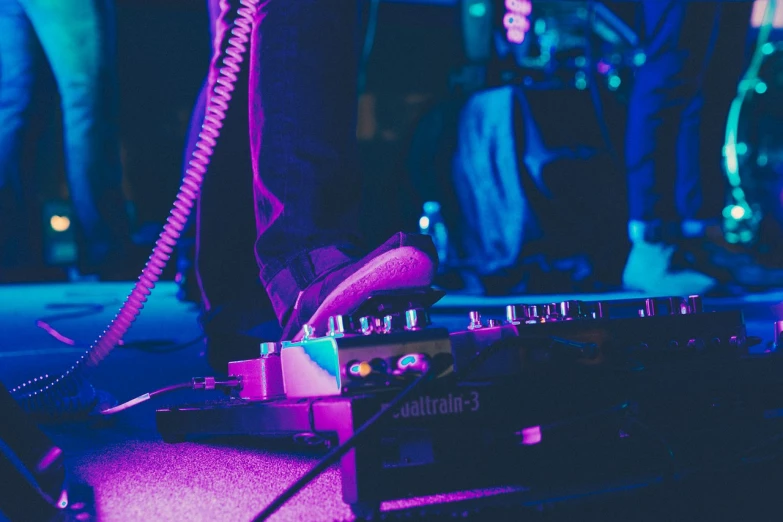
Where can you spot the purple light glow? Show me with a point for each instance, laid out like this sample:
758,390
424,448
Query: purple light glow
447,497
515,36
46,327
523,7
516,20
416,362
531,436
603,67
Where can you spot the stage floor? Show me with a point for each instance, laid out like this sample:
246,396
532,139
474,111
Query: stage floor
136,476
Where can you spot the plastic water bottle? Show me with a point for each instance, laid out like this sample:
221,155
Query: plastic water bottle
432,224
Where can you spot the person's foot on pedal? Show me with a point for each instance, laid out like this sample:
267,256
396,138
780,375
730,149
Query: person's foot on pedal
404,261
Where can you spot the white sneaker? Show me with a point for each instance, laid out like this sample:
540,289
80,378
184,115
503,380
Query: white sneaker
648,270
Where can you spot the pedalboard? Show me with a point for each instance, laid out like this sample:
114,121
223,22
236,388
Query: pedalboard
546,380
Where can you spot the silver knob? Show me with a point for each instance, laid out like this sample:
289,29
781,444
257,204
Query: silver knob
533,313
268,348
695,304
388,324
650,307
416,319
678,306
493,323
778,338
366,324
309,332
515,314
475,320
570,309
338,325
552,312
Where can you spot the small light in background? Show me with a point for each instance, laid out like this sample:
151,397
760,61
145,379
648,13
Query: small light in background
516,20
639,59
531,436
478,10
737,212
60,223
58,234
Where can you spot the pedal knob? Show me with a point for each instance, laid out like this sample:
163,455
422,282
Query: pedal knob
416,319
570,310
366,325
695,305
492,323
533,313
388,324
309,332
269,349
515,314
650,308
338,325
551,312
678,306
475,320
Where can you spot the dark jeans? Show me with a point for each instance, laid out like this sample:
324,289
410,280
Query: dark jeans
300,165
78,39
666,179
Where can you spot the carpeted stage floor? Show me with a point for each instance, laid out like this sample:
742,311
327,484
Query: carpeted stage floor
135,476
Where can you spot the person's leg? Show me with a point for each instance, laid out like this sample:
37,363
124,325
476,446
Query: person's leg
17,70
307,180
78,38
663,147
237,315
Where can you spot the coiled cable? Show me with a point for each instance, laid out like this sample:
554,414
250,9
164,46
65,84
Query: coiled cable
66,392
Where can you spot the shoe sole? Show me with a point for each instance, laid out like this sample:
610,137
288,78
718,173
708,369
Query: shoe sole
398,269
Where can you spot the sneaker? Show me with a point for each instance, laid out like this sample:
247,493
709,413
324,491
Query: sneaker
650,270
405,261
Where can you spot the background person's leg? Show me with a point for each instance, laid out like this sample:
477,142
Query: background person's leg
663,145
79,40
17,71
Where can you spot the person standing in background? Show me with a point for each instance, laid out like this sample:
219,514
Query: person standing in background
673,202
79,41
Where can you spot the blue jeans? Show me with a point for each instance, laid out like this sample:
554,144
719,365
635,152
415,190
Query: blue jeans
666,178
287,157
78,39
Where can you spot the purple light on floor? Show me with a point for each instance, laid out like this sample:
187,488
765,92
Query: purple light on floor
46,327
531,436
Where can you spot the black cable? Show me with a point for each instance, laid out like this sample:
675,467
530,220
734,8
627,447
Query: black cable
349,444
206,383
